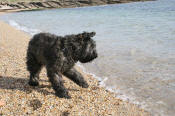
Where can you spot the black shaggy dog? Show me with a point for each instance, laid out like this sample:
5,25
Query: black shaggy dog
59,54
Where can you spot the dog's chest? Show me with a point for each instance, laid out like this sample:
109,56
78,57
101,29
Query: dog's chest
67,60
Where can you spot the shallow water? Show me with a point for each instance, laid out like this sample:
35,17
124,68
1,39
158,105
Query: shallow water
135,42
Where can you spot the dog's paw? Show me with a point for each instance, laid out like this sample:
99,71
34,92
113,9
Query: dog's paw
33,83
63,94
84,84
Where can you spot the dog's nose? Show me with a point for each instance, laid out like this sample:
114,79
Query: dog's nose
95,54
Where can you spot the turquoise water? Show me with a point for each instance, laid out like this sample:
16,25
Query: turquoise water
135,42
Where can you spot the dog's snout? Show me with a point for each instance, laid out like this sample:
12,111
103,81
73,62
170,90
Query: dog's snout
95,54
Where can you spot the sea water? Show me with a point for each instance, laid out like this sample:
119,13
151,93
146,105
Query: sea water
135,43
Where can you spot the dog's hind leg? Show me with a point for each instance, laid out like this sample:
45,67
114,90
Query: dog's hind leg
34,68
57,83
75,76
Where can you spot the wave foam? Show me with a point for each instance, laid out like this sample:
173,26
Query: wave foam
23,28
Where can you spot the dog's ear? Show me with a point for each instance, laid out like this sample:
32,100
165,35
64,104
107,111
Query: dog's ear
92,34
87,35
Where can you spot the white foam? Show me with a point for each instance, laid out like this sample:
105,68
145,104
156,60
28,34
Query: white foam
23,28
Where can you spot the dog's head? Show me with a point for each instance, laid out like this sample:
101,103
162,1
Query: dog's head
88,50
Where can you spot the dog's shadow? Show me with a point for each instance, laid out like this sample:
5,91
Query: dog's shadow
16,83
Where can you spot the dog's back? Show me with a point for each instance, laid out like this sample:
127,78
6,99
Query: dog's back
40,44
43,40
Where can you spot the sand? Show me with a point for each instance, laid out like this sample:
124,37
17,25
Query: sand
17,98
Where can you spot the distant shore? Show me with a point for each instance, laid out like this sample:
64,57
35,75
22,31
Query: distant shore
21,99
8,5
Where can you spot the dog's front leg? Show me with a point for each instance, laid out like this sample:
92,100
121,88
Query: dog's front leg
57,83
75,76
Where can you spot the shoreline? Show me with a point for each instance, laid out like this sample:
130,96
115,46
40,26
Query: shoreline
21,99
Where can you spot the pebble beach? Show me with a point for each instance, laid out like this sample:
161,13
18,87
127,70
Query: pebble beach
19,99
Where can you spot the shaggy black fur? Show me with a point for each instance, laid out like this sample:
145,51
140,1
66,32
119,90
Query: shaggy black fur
59,54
